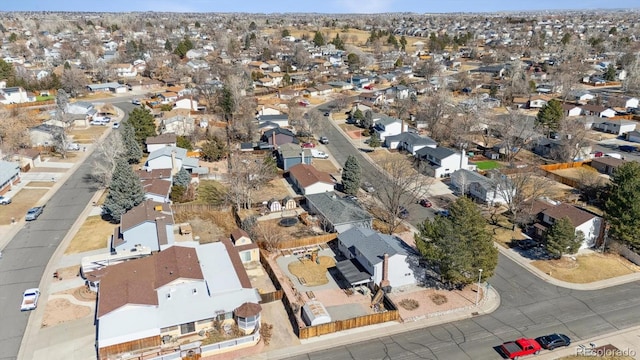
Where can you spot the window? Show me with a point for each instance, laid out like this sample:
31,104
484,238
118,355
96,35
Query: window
188,328
246,255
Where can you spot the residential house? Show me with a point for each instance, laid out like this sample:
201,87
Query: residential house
441,162
571,109
44,135
409,141
372,97
28,158
9,175
278,136
157,142
618,127
179,125
633,136
336,213
372,250
282,120
157,190
113,87
388,126
15,95
626,102
171,296
597,110
187,104
581,96
556,149
607,164
589,224
268,110
247,249
125,70
308,180
150,224
291,154
493,189
174,158
149,174
80,108
538,101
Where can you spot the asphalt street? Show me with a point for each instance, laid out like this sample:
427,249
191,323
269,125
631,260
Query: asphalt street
25,258
529,307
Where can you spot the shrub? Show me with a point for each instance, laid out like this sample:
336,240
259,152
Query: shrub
409,304
438,299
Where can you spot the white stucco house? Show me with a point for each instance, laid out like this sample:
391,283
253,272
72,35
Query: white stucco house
309,180
158,142
441,162
388,126
618,127
583,221
371,249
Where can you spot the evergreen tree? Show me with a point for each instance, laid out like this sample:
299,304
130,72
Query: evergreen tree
391,40
550,115
358,115
318,39
125,191
7,71
143,124
351,176
367,122
132,149
622,208
183,178
253,26
561,238
337,42
610,74
213,149
167,45
285,33
374,140
183,142
403,43
458,245
354,61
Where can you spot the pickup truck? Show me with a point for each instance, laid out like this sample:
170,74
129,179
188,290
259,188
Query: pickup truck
30,299
319,154
520,347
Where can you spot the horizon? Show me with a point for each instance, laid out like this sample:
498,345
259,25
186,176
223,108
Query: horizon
345,7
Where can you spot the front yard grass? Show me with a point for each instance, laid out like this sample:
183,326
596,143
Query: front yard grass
587,268
88,135
40,183
92,235
20,203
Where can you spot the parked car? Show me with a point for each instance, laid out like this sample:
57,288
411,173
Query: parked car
425,203
366,186
97,122
403,212
553,341
115,125
628,148
308,145
443,212
324,140
326,114
30,299
106,119
135,102
520,347
4,200
319,154
73,146
33,213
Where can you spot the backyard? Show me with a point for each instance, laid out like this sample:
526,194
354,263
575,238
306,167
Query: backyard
487,165
209,225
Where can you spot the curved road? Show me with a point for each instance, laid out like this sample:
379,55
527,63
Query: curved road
25,258
529,307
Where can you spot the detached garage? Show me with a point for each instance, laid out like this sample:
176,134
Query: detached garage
314,313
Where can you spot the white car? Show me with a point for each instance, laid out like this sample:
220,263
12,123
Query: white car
115,125
30,299
73,146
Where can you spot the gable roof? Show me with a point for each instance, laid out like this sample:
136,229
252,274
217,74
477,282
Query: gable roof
237,234
437,153
371,244
166,151
8,170
577,216
412,138
156,187
338,210
307,175
273,118
292,150
136,281
168,138
154,174
144,212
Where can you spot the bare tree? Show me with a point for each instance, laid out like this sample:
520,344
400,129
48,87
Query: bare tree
399,188
13,131
107,151
515,132
268,234
73,81
573,140
435,112
248,174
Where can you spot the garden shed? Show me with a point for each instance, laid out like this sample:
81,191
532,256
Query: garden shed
289,203
274,205
314,313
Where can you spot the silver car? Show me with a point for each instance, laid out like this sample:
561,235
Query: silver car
33,213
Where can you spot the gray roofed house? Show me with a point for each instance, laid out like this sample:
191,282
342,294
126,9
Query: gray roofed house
410,142
338,214
280,119
292,154
9,175
442,161
491,189
370,248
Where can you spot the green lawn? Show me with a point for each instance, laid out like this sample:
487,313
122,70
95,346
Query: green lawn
43,98
487,165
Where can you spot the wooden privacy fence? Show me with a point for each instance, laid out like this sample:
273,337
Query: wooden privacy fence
371,319
271,296
182,208
563,179
562,166
308,241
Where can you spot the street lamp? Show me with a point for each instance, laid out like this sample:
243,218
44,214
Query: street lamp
478,292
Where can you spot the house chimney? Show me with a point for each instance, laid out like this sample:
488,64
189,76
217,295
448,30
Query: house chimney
302,156
174,163
273,139
385,284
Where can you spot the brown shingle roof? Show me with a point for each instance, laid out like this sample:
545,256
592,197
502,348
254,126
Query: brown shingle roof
608,160
577,216
136,281
237,263
237,234
154,174
307,175
144,212
157,186
248,310
168,138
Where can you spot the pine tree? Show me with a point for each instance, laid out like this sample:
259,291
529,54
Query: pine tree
550,115
561,238
318,39
132,149
622,207
125,191
374,140
458,245
351,176
143,124
183,178
610,73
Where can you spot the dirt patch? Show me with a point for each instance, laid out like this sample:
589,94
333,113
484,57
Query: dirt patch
312,273
92,235
68,272
20,203
88,135
208,225
587,268
432,301
59,311
70,157
325,165
41,183
274,189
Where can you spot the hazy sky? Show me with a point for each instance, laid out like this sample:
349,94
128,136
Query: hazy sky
326,6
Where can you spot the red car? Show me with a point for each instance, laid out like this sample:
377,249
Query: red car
308,145
520,347
425,203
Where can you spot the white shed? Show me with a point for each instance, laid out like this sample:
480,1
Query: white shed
314,313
